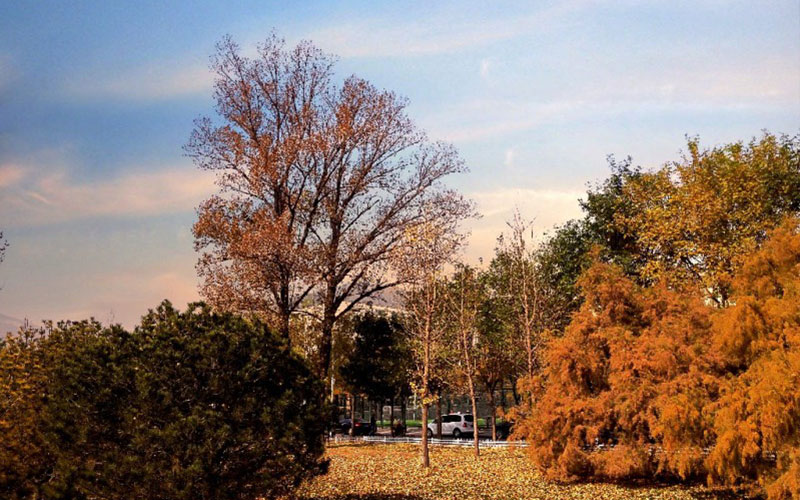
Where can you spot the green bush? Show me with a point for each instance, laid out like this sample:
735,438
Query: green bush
193,405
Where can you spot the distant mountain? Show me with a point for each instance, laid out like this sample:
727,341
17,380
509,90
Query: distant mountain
8,324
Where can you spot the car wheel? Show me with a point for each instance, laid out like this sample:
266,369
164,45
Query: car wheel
457,433
430,433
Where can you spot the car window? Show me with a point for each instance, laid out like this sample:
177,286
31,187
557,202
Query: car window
450,418
468,418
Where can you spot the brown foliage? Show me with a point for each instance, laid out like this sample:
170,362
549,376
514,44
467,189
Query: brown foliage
318,186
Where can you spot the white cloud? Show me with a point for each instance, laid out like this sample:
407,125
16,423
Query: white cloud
40,196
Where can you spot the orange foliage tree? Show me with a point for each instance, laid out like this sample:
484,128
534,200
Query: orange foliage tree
757,419
627,378
656,382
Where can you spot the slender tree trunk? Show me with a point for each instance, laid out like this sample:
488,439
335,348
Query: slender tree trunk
352,414
474,401
391,416
493,409
439,418
515,393
403,409
426,460
326,330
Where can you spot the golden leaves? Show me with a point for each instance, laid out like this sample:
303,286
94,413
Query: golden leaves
394,472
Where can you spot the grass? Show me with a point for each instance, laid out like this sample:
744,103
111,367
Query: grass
393,472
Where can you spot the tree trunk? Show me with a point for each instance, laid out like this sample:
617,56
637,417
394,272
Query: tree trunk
326,340
284,327
352,414
514,392
439,418
391,416
426,461
474,401
403,408
493,409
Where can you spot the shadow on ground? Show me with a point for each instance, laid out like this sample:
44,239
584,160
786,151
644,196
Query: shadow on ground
724,495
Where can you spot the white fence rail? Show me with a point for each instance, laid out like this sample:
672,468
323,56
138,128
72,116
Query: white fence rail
484,443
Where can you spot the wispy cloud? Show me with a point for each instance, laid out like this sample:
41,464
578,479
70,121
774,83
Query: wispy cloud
768,84
10,174
35,196
145,83
440,33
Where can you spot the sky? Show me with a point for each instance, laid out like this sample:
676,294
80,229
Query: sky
97,99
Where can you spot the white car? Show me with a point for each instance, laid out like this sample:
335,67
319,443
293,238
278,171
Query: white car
454,424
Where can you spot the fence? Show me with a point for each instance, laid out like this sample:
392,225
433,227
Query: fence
343,438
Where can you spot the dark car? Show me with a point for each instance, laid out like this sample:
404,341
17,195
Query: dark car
361,428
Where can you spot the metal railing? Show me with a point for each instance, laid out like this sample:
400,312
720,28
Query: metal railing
484,443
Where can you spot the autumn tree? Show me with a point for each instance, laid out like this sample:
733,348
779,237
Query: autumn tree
630,374
693,220
319,183
496,345
463,301
757,419
426,249
533,308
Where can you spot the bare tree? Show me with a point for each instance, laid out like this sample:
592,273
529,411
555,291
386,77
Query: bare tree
318,185
427,248
525,292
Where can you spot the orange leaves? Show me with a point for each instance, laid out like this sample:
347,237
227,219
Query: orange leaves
675,387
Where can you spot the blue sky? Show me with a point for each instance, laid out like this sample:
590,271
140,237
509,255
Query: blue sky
96,100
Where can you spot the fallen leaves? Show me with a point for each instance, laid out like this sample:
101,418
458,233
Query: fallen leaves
394,472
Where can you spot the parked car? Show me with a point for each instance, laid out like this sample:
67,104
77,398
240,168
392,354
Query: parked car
360,428
454,424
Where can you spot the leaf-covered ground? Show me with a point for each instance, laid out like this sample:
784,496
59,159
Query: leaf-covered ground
393,472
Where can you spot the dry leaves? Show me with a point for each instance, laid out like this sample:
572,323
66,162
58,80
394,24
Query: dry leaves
393,472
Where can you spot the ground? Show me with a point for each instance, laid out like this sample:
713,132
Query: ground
393,472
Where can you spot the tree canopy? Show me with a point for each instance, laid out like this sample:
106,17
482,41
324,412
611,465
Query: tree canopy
190,404
319,184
